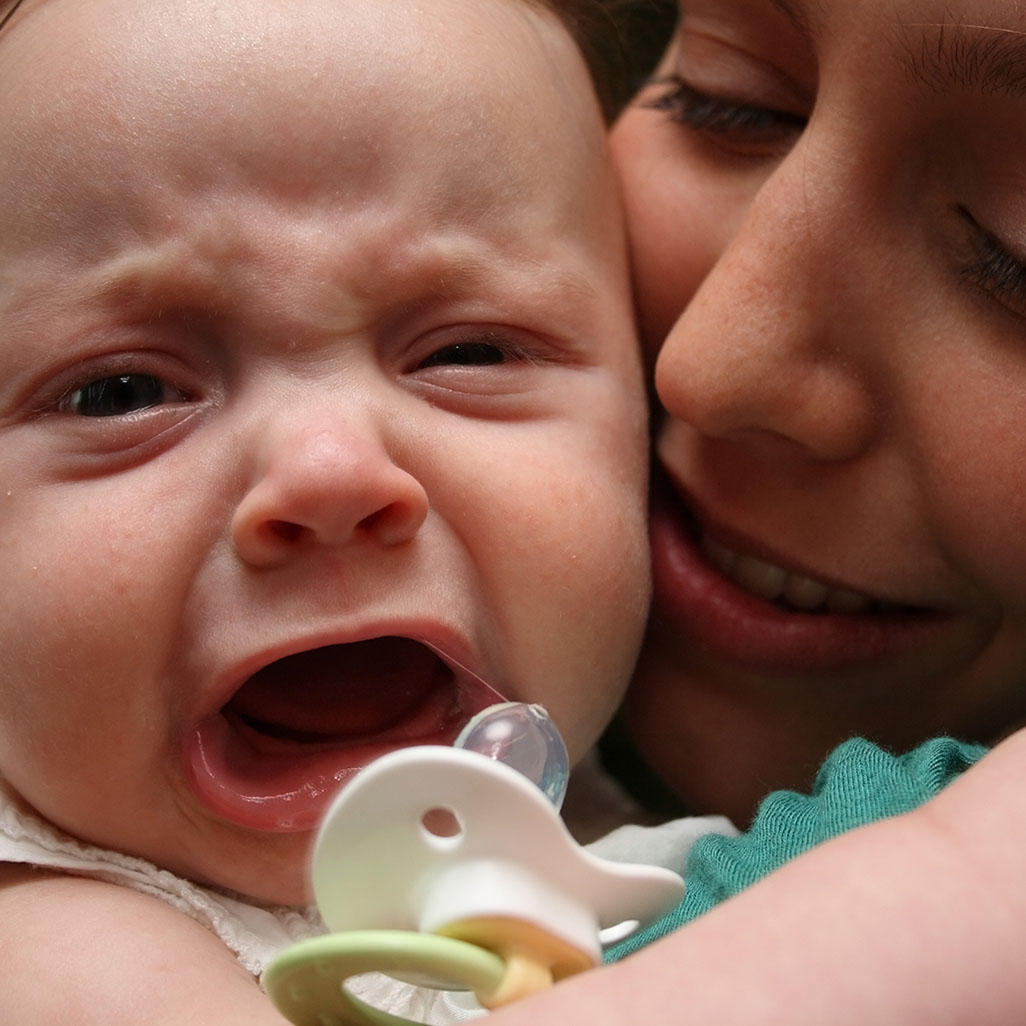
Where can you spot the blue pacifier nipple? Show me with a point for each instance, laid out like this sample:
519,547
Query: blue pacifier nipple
525,738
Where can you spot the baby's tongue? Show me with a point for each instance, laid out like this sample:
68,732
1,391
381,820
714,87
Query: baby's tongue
340,690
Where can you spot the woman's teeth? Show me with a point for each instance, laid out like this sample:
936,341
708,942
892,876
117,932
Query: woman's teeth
775,584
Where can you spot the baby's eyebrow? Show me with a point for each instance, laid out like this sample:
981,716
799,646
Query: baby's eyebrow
946,57
155,278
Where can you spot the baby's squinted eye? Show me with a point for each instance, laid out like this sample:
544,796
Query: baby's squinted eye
466,354
119,394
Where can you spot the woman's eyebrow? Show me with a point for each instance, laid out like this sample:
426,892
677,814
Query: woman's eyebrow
947,57
5,18
793,14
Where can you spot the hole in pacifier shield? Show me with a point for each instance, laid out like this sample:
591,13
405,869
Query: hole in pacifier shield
441,822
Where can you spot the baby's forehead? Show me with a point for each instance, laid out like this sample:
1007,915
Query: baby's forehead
267,62
240,36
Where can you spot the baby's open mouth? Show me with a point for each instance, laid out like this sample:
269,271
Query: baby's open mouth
274,755
343,692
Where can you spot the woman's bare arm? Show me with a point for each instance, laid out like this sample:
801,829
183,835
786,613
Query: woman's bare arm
919,919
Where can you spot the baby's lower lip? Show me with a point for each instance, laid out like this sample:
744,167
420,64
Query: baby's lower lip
727,622
264,780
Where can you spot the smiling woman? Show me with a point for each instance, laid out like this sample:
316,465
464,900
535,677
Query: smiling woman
827,209
826,213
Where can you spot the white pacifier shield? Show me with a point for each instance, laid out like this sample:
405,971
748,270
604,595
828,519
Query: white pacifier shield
378,866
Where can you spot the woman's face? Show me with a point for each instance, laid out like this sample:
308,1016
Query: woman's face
827,204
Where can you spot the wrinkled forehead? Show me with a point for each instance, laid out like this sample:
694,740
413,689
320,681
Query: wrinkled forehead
121,116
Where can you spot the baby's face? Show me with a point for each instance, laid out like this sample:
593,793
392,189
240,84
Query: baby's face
318,401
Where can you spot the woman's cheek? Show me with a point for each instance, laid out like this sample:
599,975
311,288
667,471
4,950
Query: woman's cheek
673,243
685,200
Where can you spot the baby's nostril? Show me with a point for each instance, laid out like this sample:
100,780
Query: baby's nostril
285,530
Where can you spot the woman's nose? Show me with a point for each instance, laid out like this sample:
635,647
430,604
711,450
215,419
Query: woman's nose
770,344
326,482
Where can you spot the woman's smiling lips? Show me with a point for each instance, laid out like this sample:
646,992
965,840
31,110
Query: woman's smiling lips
761,616
274,754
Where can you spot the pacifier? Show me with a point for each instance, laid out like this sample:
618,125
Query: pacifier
523,737
450,868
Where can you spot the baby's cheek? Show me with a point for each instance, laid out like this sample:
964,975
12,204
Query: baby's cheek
583,629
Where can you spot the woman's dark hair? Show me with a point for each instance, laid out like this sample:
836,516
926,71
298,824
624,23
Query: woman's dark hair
621,40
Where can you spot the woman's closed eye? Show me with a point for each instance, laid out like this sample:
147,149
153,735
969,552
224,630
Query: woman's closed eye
744,128
118,395
992,268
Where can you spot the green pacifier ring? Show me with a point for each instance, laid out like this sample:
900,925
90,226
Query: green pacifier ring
307,981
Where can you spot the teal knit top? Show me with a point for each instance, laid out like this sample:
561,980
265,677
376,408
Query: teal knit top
857,784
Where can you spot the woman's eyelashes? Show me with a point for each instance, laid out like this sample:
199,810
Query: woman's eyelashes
742,127
118,395
992,268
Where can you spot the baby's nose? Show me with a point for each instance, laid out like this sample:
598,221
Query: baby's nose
325,482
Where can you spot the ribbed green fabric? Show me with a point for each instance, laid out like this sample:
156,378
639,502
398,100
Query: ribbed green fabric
857,784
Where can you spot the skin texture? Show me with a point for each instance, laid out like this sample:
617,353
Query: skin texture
235,214
825,209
